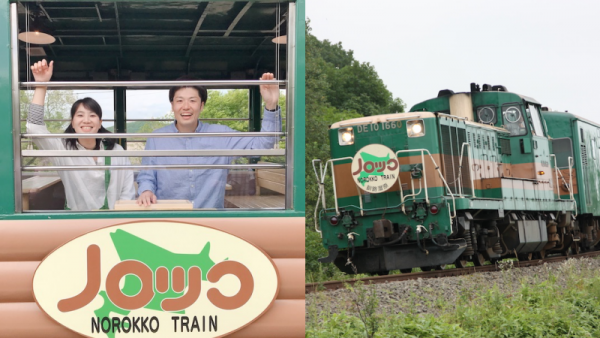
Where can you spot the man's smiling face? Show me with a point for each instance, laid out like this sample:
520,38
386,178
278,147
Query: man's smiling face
187,106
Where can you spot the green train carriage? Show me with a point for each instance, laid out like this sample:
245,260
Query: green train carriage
121,48
482,175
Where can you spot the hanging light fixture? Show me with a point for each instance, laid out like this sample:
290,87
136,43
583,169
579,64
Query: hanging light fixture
37,29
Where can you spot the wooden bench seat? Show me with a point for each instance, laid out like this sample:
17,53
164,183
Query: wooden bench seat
34,185
270,192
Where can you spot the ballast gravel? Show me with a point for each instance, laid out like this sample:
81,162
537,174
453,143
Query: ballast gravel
431,296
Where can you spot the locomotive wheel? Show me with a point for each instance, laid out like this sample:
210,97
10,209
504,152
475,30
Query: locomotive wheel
433,267
383,273
525,257
478,259
460,263
406,270
540,255
575,248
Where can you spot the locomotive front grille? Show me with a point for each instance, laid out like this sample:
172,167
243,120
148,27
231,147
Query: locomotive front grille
451,142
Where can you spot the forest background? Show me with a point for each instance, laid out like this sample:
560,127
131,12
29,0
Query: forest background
338,87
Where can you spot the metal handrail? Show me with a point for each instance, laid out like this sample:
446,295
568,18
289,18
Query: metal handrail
398,118
557,173
152,84
156,135
453,116
437,168
571,164
152,120
155,167
154,153
470,169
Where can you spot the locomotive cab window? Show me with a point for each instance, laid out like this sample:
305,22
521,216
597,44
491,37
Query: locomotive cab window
486,115
563,149
513,119
536,123
217,72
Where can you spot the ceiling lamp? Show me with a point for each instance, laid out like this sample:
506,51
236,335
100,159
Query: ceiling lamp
280,40
38,31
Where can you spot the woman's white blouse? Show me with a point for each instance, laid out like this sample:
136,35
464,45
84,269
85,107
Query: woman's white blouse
85,190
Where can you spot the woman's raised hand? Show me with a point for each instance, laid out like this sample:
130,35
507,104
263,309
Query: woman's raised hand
42,70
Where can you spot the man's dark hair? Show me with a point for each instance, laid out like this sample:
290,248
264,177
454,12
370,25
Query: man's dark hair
92,105
201,90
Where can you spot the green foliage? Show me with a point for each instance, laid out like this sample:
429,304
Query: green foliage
338,88
400,325
56,107
546,309
318,272
565,303
365,301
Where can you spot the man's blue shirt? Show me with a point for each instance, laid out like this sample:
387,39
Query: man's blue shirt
205,187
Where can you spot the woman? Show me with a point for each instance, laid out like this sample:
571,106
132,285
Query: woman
85,190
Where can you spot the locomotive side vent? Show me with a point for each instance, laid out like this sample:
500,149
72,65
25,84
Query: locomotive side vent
452,139
584,160
505,146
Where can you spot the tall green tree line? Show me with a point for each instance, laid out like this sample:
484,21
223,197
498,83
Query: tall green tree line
338,87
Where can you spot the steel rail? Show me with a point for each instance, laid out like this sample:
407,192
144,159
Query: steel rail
334,285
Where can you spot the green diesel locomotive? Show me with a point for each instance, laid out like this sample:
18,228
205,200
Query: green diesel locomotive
475,176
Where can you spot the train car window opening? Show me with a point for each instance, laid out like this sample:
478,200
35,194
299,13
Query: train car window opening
563,149
256,177
513,120
535,119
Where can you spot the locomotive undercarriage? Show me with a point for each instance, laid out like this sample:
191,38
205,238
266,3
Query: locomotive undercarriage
494,235
478,236
401,257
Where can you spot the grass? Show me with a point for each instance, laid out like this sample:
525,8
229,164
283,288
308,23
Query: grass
561,301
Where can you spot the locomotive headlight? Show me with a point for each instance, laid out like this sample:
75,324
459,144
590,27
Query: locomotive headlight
346,136
416,128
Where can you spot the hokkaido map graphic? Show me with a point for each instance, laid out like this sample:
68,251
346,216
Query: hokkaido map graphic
363,177
131,247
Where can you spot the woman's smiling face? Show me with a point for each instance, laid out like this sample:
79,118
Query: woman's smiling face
85,121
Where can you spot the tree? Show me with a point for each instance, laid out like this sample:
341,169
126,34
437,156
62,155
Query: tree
56,107
220,104
338,88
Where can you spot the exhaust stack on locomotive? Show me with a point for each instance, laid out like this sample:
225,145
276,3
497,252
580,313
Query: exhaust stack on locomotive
472,176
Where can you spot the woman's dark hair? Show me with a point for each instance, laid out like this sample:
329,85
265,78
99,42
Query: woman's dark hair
92,105
201,90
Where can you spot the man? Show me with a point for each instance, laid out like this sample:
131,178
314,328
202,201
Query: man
205,187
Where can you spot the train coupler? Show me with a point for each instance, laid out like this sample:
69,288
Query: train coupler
333,252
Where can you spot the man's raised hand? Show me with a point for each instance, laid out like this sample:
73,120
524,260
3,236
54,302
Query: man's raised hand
270,93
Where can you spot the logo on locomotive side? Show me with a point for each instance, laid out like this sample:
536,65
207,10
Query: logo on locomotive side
375,168
156,278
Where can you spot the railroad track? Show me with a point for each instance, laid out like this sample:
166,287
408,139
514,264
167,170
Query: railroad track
334,285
